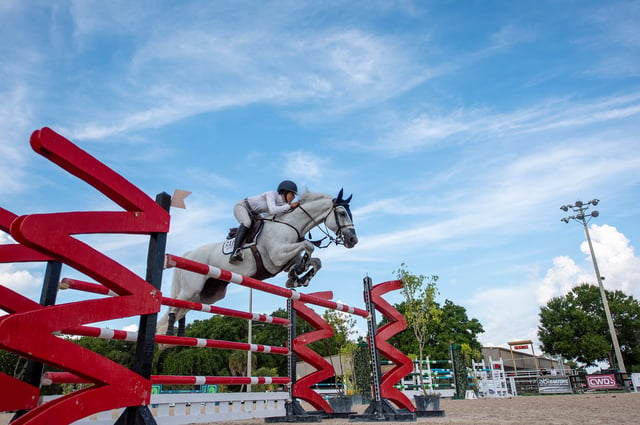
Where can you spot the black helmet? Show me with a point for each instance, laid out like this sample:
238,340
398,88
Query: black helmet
287,186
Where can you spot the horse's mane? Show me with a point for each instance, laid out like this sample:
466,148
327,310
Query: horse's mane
308,196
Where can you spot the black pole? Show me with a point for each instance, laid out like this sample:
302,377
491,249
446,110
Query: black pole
145,345
376,407
291,367
33,369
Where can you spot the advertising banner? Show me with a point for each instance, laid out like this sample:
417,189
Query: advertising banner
602,382
554,385
635,381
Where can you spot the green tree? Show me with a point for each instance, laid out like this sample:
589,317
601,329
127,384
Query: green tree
343,325
269,334
176,359
121,352
575,327
421,310
203,361
454,325
265,371
8,362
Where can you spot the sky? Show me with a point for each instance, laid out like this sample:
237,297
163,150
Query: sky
460,128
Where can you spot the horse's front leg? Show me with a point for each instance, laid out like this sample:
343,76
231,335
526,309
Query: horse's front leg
299,263
314,265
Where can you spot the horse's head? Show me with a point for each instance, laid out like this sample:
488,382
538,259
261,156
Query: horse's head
341,221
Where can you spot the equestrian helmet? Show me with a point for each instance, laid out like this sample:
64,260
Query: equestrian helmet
287,186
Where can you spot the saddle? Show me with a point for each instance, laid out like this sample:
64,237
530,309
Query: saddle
252,234
250,242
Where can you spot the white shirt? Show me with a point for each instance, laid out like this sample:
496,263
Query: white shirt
269,202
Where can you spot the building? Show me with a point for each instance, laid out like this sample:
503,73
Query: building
517,360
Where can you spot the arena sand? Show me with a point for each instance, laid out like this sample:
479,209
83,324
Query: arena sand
582,409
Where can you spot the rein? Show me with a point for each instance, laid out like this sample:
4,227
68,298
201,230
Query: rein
327,235
317,243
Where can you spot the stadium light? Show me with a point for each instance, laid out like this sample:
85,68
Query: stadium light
581,208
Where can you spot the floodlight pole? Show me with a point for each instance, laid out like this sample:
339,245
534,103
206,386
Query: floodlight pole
581,208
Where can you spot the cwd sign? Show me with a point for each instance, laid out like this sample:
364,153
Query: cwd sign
601,382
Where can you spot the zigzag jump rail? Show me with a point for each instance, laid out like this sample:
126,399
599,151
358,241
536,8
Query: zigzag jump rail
31,330
28,329
324,370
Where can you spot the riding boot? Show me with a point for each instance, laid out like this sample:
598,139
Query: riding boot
237,245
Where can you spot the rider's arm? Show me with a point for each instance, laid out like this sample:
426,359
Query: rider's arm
275,204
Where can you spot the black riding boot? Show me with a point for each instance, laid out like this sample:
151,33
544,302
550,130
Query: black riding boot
241,235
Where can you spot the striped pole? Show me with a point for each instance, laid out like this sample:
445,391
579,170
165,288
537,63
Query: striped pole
116,334
50,378
68,283
227,276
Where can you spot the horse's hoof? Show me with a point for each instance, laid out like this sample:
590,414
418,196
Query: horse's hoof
292,283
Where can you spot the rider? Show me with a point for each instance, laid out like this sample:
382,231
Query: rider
271,202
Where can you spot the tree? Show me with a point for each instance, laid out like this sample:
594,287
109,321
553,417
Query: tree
238,364
343,325
575,327
454,325
265,371
421,310
121,352
8,362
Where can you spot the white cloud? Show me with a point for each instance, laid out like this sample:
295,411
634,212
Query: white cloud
616,260
130,328
14,114
512,312
21,281
424,130
506,314
559,279
305,165
5,238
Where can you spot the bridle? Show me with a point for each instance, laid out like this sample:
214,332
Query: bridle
338,239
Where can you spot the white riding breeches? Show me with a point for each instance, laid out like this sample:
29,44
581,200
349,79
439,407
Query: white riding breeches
241,214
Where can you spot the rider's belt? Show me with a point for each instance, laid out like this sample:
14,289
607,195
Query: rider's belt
252,213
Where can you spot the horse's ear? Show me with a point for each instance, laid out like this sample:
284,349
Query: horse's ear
346,201
339,199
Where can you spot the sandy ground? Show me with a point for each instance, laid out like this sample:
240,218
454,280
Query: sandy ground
584,409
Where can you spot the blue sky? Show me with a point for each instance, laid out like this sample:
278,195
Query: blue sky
460,127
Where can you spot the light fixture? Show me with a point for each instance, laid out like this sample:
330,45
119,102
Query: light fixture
580,208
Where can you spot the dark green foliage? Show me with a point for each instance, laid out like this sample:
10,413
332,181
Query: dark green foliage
8,362
121,352
453,325
575,326
362,371
342,325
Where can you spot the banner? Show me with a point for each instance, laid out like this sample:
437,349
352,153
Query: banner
554,385
635,381
602,382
